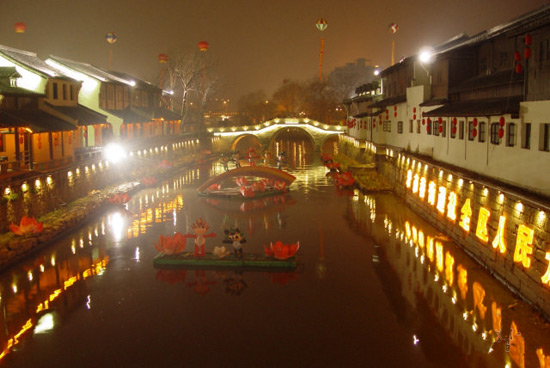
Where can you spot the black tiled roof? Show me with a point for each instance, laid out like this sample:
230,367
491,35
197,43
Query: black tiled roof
390,101
82,114
35,119
484,107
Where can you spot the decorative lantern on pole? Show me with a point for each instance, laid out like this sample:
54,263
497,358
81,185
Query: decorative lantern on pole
19,28
203,46
394,27
110,38
321,26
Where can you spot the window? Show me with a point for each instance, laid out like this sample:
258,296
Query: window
461,129
54,91
386,127
418,127
71,91
410,126
64,91
494,133
504,59
482,131
544,137
471,131
435,127
511,137
526,136
399,127
444,131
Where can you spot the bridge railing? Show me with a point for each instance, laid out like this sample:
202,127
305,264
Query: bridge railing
277,123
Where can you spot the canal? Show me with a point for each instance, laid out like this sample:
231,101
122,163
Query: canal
375,286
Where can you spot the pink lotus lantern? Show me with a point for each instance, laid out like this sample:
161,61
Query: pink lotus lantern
281,251
171,245
27,226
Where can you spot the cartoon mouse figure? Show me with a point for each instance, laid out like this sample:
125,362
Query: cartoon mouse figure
236,238
200,227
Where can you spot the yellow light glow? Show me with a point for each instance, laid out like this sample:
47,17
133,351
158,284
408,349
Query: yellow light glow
441,197
408,229
482,220
462,281
546,277
416,180
519,207
449,272
7,191
479,295
37,183
449,177
408,182
24,187
498,241
517,346
544,360
501,198
439,256
496,313
524,249
485,191
460,182
465,215
421,239
451,206
430,248
431,193
422,188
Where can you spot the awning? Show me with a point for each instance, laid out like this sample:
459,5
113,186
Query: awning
37,120
132,115
166,114
485,107
390,101
84,115
369,114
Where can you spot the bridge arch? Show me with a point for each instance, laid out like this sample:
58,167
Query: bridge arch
291,129
250,139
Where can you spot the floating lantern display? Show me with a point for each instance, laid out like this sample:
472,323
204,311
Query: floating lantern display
110,37
163,58
203,45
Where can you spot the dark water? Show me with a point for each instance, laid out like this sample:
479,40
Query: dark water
367,292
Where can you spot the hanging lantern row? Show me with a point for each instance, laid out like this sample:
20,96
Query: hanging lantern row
526,53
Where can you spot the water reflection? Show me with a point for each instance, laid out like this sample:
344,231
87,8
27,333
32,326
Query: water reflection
447,289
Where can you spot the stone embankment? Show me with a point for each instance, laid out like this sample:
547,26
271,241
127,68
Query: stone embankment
366,177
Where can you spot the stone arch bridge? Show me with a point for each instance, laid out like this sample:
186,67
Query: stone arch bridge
266,132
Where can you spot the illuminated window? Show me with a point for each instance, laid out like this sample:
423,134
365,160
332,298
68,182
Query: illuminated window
431,193
441,197
498,242
482,220
524,249
451,206
415,183
408,183
465,215
422,188
430,248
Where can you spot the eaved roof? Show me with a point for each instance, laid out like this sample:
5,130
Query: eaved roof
140,83
27,59
88,69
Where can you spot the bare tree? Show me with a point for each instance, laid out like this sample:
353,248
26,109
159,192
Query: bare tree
254,107
288,98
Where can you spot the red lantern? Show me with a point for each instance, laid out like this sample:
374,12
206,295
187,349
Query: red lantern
429,121
440,120
395,114
20,27
517,56
203,45
414,109
453,130
395,108
501,121
423,121
501,133
474,133
454,121
429,128
519,68
440,128
374,125
474,122
163,58
528,39
414,117
527,53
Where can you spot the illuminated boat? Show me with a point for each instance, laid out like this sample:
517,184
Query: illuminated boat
247,182
210,261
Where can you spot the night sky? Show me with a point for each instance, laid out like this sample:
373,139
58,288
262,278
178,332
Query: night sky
255,44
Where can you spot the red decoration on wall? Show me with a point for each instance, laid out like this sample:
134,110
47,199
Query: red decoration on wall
454,121
440,120
395,108
428,128
474,122
527,53
517,56
395,114
20,136
501,133
501,121
414,109
429,121
519,68
414,117
39,141
440,129
528,39
453,130
474,133
374,125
